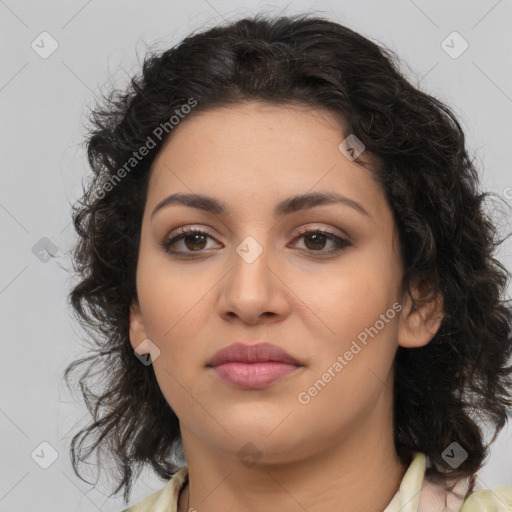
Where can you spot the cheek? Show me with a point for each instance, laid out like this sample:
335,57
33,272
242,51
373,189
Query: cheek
345,299
170,307
353,361
174,312
166,292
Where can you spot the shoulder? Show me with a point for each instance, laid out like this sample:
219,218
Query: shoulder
436,497
422,494
166,498
498,499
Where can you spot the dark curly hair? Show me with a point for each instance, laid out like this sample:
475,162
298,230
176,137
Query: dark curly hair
445,391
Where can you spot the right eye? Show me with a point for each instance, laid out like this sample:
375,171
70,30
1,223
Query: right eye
194,240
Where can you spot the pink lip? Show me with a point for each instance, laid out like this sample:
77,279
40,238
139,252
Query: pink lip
253,366
254,375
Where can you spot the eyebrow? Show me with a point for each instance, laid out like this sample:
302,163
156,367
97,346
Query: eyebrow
286,207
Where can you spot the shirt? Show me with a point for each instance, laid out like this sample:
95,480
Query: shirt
415,494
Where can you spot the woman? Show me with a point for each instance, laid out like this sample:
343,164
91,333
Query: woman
287,269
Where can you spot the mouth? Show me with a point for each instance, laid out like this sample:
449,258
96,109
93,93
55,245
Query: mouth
254,375
253,366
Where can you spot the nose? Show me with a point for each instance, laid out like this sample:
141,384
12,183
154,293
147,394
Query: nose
252,290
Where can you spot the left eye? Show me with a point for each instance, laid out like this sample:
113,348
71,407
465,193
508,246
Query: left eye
317,238
195,240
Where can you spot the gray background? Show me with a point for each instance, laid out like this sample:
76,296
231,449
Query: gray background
43,108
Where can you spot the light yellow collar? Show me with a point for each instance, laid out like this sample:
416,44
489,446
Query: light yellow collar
418,494
415,494
407,498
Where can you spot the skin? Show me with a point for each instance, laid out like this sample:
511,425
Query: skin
333,449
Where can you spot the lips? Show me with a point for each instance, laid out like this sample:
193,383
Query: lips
257,353
253,367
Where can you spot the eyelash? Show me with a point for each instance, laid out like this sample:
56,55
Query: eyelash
186,232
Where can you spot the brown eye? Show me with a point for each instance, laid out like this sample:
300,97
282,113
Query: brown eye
316,239
194,240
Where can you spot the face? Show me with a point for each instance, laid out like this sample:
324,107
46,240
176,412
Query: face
331,299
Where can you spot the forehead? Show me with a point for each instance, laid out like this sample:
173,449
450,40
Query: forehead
252,151
241,126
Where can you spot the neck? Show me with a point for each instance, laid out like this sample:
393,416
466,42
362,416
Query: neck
362,473
310,494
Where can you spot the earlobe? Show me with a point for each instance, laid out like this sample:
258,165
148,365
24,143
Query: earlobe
137,328
420,320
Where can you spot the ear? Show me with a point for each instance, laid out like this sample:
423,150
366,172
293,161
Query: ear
420,321
138,334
